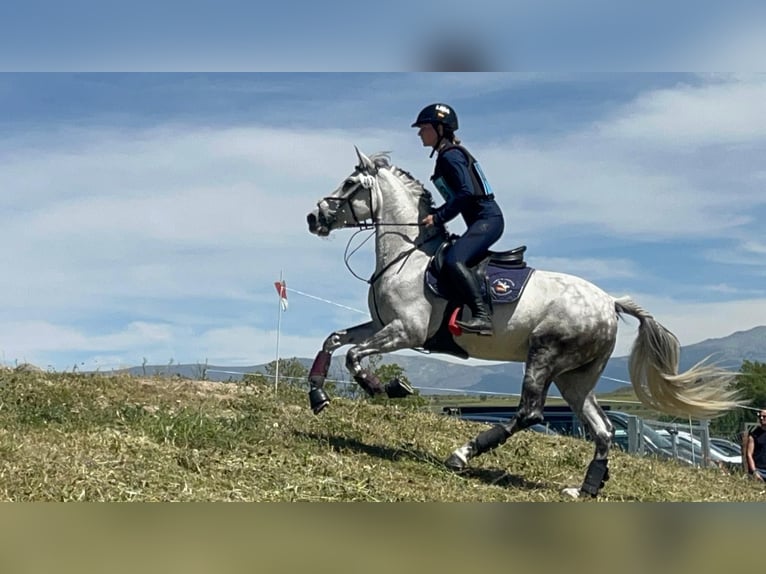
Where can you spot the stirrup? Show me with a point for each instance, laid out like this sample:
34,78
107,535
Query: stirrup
484,328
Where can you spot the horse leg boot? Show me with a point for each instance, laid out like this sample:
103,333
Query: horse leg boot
484,441
468,284
595,477
533,392
490,439
318,398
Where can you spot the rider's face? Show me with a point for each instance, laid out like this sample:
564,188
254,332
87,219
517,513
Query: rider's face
428,135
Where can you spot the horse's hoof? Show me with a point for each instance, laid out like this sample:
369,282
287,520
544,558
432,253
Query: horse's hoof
398,389
455,463
318,399
571,492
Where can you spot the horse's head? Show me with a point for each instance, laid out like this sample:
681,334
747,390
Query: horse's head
350,204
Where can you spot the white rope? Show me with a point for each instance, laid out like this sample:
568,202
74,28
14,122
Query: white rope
291,290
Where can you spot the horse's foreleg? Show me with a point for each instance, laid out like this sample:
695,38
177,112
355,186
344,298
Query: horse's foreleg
318,398
391,337
537,380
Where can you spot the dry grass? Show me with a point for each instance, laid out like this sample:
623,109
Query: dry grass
66,437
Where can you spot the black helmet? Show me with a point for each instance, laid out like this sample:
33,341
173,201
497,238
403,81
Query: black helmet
437,114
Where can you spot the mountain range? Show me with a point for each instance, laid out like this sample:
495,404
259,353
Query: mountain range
436,376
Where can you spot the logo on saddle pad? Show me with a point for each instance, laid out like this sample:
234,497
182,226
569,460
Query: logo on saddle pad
502,286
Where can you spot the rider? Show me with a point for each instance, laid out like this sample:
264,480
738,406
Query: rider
466,191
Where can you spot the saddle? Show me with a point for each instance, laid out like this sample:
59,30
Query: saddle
502,274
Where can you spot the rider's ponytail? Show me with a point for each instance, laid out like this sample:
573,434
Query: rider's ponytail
450,136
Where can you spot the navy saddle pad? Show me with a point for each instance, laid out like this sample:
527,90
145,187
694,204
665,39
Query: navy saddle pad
504,284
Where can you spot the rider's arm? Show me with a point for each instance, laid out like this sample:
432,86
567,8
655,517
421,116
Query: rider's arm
749,449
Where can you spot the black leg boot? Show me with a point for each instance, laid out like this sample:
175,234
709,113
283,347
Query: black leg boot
480,321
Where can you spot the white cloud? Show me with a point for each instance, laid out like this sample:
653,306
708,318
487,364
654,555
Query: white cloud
720,114
647,171
748,253
551,188
32,340
587,267
728,289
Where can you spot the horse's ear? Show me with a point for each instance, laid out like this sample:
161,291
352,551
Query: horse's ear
364,162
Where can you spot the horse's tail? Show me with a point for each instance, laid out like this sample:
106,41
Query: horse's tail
702,392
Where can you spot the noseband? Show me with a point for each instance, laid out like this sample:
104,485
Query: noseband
366,183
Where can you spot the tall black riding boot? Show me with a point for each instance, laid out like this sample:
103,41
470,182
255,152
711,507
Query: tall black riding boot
480,321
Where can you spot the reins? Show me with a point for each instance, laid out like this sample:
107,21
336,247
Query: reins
372,226
369,183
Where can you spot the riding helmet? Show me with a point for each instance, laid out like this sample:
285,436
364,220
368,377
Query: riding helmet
437,114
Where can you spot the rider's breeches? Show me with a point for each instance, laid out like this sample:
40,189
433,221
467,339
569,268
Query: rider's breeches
472,246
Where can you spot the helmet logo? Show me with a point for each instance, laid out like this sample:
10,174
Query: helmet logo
442,110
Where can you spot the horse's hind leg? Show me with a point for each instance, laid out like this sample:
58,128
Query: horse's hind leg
317,396
537,379
577,390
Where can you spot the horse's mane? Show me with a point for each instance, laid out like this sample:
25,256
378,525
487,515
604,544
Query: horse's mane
382,159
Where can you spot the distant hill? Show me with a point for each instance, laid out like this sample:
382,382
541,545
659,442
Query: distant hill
434,376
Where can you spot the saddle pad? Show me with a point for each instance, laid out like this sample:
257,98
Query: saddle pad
505,285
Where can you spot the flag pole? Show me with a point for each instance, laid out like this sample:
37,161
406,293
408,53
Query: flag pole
279,328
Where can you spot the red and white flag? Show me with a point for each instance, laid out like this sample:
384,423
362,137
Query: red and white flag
282,291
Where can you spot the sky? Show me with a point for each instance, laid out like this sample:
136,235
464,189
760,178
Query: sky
398,35
147,216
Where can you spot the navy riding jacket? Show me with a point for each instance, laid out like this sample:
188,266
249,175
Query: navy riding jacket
466,191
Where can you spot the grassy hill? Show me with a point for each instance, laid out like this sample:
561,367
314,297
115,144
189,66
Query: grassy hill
91,437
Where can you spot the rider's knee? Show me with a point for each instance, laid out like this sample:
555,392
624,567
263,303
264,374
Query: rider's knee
451,259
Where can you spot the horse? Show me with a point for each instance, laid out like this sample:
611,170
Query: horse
562,327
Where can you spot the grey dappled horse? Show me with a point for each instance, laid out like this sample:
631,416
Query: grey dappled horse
562,327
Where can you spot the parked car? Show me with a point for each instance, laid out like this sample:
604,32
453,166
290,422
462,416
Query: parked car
558,420
542,428
726,446
692,445
654,443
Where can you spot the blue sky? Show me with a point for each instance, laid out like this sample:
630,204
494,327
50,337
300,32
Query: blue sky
148,215
510,35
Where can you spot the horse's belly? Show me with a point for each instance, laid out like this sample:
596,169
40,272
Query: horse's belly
502,347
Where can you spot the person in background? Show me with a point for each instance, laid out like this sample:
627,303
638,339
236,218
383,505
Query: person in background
755,449
461,182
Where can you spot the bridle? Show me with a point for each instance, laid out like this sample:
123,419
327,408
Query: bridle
369,183
365,181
